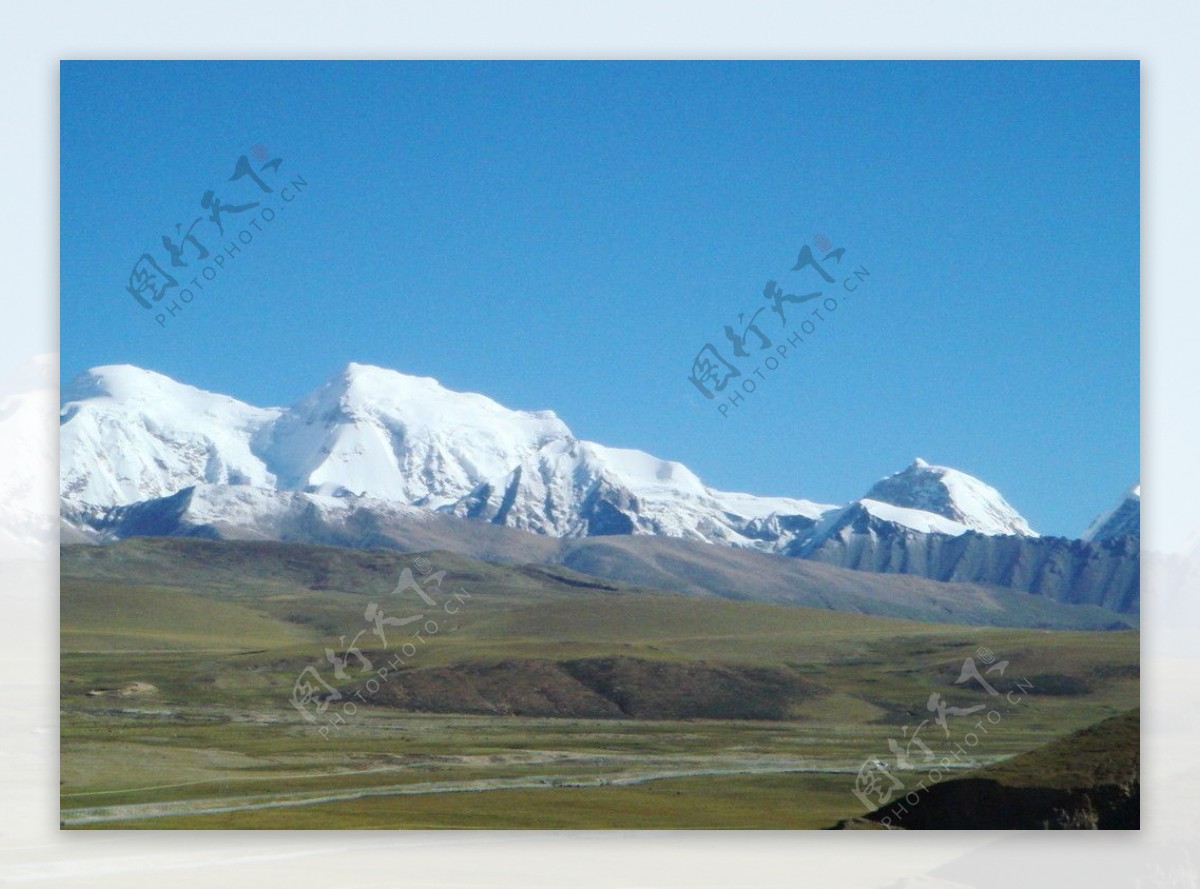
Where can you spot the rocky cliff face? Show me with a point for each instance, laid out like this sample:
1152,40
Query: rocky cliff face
1101,572
1122,521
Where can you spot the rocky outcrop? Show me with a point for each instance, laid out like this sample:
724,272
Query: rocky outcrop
1086,781
986,804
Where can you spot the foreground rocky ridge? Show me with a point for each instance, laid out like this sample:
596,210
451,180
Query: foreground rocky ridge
1089,780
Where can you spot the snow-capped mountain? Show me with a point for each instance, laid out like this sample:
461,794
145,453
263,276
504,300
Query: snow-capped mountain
27,465
571,488
1121,521
920,500
951,494
131,436
904,526
387,435
376,458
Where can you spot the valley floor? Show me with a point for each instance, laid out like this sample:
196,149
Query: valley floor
546,701
132,768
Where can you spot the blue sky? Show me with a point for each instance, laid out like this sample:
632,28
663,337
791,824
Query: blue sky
569,235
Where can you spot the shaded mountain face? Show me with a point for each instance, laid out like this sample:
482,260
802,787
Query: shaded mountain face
1102,572
914,523
695,568
1122,521
372,451
705,574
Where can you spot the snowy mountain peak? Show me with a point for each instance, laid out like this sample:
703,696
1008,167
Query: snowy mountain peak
131,436
950,494
394,436
127,434
380,390
130,385
1123,520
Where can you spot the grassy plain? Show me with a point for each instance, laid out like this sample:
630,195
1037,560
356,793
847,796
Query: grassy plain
176,714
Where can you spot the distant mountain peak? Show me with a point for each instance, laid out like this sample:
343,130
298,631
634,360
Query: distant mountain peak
371,386
123,382
1122,520
950,494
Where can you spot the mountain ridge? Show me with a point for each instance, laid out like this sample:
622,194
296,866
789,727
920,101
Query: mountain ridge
373,450
130,435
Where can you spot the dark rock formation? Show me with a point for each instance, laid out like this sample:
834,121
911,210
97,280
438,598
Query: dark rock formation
1088,780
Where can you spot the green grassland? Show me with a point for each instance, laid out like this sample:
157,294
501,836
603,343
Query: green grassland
714,802
179,658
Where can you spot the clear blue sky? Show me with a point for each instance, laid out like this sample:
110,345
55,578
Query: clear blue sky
568,235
